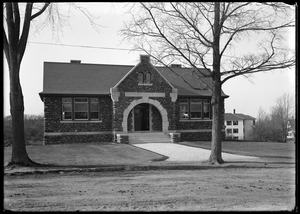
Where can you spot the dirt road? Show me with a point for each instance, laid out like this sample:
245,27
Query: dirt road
159,190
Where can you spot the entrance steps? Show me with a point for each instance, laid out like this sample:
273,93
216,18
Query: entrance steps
148,137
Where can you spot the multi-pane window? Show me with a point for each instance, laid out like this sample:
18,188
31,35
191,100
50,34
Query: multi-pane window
196,108
80,108
67,108
229,131
235,130
206,109
184,108
235,122
94,108
228,122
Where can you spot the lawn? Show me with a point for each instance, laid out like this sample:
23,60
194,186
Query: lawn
92,154
87,154
258,149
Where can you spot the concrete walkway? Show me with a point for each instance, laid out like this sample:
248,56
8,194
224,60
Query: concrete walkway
177,152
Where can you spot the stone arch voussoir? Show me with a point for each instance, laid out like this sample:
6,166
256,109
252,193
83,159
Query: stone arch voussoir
161,109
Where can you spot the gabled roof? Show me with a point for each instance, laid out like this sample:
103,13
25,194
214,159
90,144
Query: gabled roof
236,116
187,81
144,59
82,78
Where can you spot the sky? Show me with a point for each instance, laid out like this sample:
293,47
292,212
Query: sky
106,47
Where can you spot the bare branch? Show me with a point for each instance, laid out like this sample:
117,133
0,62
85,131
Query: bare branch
26,25
16,18
203,39
91,18
180,75
40,11
6,46
177,31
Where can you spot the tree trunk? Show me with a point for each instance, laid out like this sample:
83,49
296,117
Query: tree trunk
19,153
216,138
216,141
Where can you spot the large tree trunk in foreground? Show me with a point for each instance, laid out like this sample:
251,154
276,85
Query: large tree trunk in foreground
19,153
216,140
14,45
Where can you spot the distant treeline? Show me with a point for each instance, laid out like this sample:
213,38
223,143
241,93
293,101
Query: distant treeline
276,125
33,125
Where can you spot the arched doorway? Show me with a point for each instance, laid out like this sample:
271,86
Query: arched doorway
141,117
145,115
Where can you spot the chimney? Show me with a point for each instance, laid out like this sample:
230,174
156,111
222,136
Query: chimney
175,65
233,111
145,58
75,61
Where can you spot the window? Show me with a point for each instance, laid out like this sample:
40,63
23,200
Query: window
235,122
192,108
228,122
196,108
144,79
184,108
81,108
229,131
141,78
206,109
148,78
94,108
235,131
67,108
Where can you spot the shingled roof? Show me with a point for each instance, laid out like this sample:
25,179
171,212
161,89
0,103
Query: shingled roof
237,116
89,79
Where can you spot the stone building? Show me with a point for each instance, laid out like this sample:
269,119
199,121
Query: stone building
104,103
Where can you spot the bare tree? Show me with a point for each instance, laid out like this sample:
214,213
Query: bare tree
262,128
205,34
281,113
18,18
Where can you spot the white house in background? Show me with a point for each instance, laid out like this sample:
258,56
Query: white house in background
291,130
238,126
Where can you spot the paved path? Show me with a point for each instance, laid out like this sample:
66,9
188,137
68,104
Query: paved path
177,152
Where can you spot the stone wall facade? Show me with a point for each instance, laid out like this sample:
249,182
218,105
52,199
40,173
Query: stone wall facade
156,119
117,115
195,130
129,92
57,130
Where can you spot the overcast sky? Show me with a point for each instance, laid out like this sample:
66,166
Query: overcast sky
246,96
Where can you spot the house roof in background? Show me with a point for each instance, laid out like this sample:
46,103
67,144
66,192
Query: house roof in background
82,78
237,116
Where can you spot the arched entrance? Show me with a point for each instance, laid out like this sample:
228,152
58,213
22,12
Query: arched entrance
144,117
140,117
142,114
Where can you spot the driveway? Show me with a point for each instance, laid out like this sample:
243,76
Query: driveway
182,153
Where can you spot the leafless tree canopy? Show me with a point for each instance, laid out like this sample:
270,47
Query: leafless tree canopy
274,126
185,32
18,18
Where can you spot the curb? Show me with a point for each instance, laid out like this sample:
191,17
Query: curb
62,169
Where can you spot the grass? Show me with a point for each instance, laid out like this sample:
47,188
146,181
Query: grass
258,149
93,154
87,154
